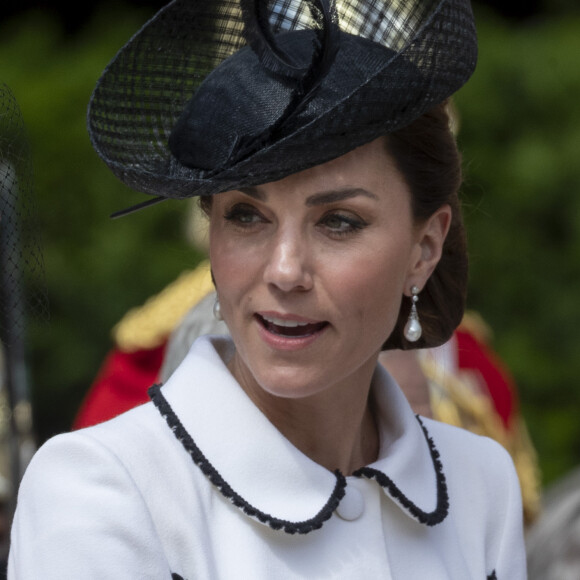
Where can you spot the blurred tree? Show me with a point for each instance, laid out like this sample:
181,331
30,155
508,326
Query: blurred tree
520,135
96,268
74,16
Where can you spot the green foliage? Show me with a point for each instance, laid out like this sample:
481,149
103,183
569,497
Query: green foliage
520,135
96,268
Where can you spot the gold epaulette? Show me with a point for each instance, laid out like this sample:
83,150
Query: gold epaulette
457,402
474,324
149,325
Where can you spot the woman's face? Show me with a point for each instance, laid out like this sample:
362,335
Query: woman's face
310,271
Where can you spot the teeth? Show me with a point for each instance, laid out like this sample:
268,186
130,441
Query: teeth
285,323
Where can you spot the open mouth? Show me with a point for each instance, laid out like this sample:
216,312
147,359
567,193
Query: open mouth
290,328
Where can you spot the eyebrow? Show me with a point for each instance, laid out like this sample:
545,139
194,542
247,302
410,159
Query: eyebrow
253,192
338,195
321,198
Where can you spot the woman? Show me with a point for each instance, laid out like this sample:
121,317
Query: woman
323,157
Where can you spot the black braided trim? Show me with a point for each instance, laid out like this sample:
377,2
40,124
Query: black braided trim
442,508
212,474
492,576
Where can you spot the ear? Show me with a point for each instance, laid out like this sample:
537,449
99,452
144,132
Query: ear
430,237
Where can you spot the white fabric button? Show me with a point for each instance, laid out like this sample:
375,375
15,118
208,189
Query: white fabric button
352,505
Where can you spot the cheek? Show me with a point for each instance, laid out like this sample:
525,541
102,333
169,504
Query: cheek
373,292
234,265
222,258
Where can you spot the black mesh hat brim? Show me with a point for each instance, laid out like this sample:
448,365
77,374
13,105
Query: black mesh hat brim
393,61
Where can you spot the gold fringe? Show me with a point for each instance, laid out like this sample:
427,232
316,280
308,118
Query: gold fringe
457,401
474,324
149,325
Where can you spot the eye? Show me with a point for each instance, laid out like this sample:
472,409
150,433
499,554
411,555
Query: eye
339,224
244,215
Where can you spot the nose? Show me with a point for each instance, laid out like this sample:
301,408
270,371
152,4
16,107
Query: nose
287,266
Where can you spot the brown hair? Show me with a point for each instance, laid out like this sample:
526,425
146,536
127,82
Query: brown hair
426,153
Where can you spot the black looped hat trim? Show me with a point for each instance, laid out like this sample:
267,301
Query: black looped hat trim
428,518
212,474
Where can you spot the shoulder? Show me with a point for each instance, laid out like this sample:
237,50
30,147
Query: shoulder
84,452
113,453
466,446
484,494
80,491
480,474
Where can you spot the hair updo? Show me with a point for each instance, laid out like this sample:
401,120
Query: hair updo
426,154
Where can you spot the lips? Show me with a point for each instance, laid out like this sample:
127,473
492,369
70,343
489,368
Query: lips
289,328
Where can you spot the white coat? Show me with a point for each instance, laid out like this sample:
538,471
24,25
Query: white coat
199,485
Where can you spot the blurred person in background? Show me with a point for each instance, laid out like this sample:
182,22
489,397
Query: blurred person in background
553,542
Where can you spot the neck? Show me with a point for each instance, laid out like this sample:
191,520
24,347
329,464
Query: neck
346,442
335,428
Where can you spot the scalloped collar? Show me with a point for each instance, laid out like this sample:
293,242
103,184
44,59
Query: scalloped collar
263,474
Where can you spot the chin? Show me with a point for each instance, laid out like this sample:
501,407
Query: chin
287,385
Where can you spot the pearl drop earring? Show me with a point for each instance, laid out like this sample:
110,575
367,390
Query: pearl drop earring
413,328
217,310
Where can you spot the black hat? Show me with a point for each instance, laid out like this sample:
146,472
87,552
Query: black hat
212,95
